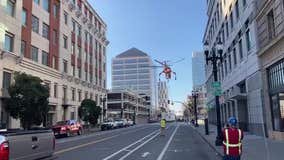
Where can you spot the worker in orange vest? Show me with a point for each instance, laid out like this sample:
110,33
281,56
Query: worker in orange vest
232,141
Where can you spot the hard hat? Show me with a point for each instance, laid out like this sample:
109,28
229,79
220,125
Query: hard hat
233,121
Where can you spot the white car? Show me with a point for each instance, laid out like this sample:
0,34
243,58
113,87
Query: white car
130,122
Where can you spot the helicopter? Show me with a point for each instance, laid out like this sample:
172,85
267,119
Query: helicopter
167,69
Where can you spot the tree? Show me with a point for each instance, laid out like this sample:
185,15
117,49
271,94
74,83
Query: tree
89,111
28,100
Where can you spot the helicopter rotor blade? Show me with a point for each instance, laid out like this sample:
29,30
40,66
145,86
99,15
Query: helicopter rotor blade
159,62
178,61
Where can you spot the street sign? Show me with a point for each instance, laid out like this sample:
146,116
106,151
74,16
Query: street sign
216,88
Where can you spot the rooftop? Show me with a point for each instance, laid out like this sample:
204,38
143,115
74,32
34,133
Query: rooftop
133,52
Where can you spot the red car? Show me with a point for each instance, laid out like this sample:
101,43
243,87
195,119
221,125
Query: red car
67,128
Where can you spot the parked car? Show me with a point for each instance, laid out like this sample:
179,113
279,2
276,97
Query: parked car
130,122
109,124
67,128
26,145
118,123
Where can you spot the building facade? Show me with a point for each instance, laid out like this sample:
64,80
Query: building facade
233,22
129,105
163,96
132,70
63,43
270,34
198,69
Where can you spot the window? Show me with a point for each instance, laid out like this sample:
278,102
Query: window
24,17
73,48
45,31
91,59
55,37
44,58
241,49
9,40
6,80
248,39
65,63
91,77
271,25
73,70
226,69
230,63
36,1
35,24
79,52
65,17
227,28
86,76
79,72
244,3
79,30
73,25
34,54
235,56
237,9
91,40
73,94
23,48
10,8
79,95
55,10
232,20
65,41
55,90
86,36
45,4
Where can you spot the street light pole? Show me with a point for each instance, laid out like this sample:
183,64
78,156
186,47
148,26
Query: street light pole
103,100
195,96
213,57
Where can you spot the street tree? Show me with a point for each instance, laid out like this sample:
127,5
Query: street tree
28,100
89,112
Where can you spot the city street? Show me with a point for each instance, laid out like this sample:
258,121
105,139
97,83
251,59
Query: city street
138,142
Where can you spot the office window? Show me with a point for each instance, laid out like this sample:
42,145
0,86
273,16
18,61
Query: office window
241,49
79,72
65,68
34,55
9,41
10,7
7,77
23,48
55,37
73,25
55,10
248,39
55,90
79,96
44,58
237,9
24,17
65,17
36,1
45,31
45,4
65,41
73,94
235,56
35,24
271,25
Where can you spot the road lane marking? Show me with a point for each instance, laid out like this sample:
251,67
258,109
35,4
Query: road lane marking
144,155
138,147
127,147
167,145
84,145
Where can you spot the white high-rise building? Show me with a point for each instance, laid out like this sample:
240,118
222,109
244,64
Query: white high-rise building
198,69
163,95
132,70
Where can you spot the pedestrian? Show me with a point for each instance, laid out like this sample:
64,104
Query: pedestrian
163,127
232,140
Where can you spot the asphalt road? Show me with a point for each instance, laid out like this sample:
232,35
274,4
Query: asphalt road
141,142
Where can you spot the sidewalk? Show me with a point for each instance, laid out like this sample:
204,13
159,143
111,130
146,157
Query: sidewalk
253,146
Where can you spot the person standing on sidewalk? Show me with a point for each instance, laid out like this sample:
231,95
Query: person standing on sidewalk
232,141
163,127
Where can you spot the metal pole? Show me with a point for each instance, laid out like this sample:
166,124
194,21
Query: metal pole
195,109
219,138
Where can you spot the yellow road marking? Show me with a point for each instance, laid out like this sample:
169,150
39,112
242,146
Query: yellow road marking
83,145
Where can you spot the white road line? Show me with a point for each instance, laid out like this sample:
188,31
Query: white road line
125,148
167,145
141,145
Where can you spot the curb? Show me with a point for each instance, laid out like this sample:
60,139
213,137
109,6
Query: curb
206,141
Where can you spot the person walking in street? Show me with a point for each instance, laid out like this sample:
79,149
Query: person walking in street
232,140
163,127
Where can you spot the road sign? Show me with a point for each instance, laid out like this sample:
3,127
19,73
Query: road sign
216,88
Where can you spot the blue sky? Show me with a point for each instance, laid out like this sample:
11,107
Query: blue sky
165,29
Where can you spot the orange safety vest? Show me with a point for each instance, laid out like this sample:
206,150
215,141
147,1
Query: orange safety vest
232,144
